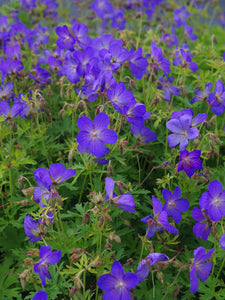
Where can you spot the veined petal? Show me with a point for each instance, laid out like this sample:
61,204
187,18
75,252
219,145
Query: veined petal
157,257
174,139
107,282
96,147
192,133
142,270
215,188
54,257
203,271
41,295
44,251
108,136
174,125
117,270
130,280
157,205
59,174
204,201
109,186
42,178
197,214
193,280
199,119
83,139
85,124
101,121
166,194
222,241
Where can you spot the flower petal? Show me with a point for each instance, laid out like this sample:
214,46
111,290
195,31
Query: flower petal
117,270
107,282
101,121
108,136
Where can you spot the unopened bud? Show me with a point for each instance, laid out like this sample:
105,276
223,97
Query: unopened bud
109,169
33,252
28,262
72,291
108,245
95,211
160,276
127,223
78,283
113,236
24,278
175,292
28,191
20,181
86,218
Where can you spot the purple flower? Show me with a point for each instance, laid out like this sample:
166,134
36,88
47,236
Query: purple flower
180,16
170,39
189,162
118,20
143,133
47,258
222,241
54,64
31,229
174,205
10,112
41,295
136,113
214,201
66,40
217,99
202,227
189,32
35,229
124,202
117,285
80,31
167,88
184,59
100,7
180,125
47,179
142,270
13,52
198,269
138,64
158,61
201,96
93,135
41,75
157,257
159,221
120,96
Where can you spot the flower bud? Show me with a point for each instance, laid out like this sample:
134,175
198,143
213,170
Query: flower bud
33,252
24,278
28,191
86,218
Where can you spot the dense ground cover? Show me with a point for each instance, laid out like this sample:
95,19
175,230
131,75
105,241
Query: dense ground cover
112,150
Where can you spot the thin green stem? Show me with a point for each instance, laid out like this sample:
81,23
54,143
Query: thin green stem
82,188
220,269
164,297
42,140
84,283
153,286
